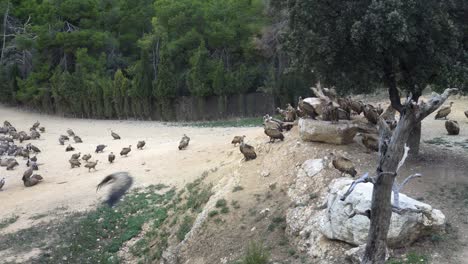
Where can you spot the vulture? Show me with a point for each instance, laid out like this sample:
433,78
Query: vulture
389,116
77,139
371,114
69,148
248,151
125,151
12,165
444,111
86,157
356,106
2,183
28,173
120,183
330,113
111,157
61,141
74,163
141,144
76,155
34,159
6,123
344,165
345,105
33,148
65,137
184,142
36,125
452,127
237,140
32,180
115,135
70,132
466,113
272,129
91,165
371,142
34,135
379,109
100,148
33,165
289,115
307,108
42,129
330,93
5,162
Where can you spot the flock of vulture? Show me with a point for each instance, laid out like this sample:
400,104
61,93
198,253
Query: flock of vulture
11,150
327,106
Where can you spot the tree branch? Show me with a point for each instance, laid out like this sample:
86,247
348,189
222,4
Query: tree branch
434,103
364,178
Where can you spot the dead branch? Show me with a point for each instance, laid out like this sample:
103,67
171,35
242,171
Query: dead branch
434,103
396,188
364,178
403,159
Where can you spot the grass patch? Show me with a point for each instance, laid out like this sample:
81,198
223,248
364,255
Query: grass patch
221,203
184,227
224,210
38,216
238,122
198,195
95,236
411,258
213,213
275,222
256,254
235,204
8,221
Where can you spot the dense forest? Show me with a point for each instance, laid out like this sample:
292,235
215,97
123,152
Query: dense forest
118,58
121,58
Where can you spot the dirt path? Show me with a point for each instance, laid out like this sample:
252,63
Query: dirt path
75,189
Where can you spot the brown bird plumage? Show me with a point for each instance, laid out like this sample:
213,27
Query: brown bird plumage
452,127
70,132
86,157
69,148
91,165
307,108
115,135
32,180
74,163
371,142
371,114
356,106
184,142
12,165
344,165
125,151
444,111
111,157
248,151
330,113
141,144
76,155
100,148
121,182
237,140
77,139
466,113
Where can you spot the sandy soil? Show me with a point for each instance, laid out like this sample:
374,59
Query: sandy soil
159,162
443,167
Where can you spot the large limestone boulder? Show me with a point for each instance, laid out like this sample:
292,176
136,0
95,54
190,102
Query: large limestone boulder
326,132
340,224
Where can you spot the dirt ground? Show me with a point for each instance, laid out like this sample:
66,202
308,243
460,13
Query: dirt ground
443,162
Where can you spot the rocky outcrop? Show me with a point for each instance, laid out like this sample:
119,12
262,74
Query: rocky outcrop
345,221
326,132
316,103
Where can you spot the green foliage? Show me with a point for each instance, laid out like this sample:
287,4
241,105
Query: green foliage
356,45
411,258
255,254
8,221
120,59
184,227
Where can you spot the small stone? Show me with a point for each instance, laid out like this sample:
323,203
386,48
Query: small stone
265,211
265,173
253,229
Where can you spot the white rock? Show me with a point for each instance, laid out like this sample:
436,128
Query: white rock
404,229
265,211
265,173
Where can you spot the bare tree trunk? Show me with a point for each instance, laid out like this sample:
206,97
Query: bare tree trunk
392,149
414,139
